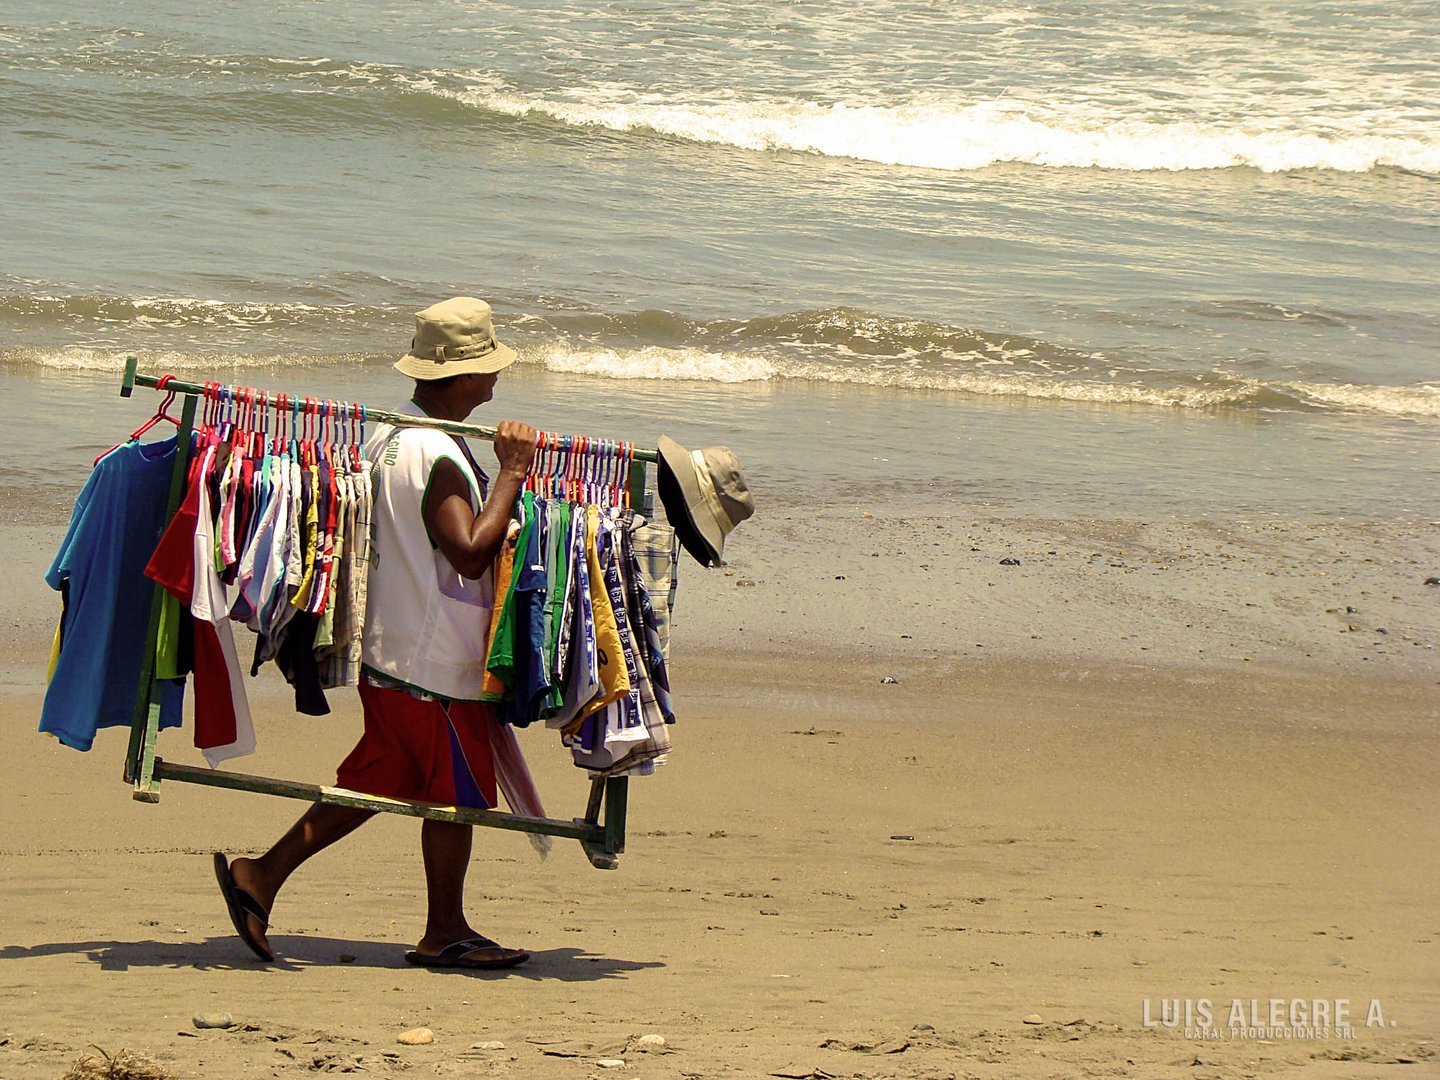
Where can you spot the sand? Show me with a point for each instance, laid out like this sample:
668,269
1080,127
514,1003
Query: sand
1063,811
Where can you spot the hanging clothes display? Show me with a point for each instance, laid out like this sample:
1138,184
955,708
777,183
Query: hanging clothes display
272,533
577,629
272,524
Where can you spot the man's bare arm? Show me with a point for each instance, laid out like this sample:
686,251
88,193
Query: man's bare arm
468,540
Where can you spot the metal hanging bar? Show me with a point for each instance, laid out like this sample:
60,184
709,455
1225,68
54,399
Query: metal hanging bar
134,378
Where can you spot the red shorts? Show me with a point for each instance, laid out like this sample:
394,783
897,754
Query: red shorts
422,751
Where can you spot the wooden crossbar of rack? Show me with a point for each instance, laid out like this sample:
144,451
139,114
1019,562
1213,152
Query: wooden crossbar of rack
601,831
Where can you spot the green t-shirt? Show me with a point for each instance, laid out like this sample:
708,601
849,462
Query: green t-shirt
557,567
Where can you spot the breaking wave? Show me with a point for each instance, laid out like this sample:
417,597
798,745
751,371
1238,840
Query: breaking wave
959,136
1213,392
842,346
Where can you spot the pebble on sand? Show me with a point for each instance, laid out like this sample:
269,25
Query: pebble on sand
213,1020
1033,1018
611,1063
648,1044
493,1044
415,1037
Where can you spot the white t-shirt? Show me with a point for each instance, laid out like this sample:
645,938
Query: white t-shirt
425,625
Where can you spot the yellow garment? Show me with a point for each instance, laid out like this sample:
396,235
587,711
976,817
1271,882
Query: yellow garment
608,650
312,529
54,650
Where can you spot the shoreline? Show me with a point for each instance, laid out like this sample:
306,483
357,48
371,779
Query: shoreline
818,445
1327,598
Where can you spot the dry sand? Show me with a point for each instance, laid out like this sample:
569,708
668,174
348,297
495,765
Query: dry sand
834,876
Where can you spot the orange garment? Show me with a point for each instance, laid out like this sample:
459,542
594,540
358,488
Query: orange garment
491,686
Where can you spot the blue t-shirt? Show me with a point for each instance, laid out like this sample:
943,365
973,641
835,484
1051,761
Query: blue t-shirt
114,527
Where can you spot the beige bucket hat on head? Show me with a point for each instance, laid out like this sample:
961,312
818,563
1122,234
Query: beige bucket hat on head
705,496
454,337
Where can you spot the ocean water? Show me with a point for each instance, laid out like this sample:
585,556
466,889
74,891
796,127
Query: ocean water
1091,256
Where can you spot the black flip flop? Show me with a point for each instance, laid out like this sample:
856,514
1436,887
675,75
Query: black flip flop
454,956
242,904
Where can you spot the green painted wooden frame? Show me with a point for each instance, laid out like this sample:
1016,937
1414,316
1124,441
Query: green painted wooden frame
601,835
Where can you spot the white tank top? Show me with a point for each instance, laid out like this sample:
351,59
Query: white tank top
425,625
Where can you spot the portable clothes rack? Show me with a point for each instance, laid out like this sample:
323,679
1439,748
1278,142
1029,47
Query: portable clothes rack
601,831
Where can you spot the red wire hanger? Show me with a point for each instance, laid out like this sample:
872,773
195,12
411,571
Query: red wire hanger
161,414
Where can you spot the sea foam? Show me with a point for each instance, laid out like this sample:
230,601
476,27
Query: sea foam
980,378
1390,400
937,133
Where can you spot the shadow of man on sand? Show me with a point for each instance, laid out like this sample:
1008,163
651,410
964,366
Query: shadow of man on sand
296,953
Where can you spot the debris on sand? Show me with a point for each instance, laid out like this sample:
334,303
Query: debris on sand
122,1065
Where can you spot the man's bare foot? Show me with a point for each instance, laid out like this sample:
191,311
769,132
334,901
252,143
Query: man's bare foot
468,950
248,899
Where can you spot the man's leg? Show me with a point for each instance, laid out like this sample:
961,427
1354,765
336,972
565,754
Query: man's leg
318,828
446,848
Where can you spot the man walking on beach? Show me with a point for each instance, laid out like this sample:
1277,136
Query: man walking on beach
437,528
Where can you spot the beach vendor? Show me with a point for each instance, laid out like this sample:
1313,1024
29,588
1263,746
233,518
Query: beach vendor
438,523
